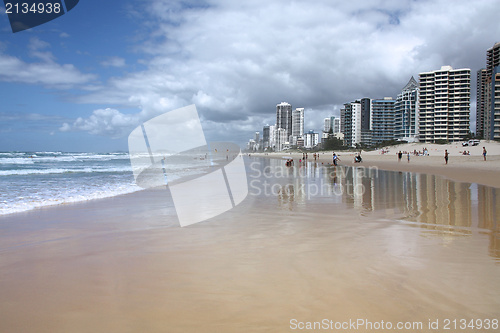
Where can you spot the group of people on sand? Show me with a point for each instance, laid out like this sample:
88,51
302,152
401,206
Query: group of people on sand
424,152
358,159
446,154
400,155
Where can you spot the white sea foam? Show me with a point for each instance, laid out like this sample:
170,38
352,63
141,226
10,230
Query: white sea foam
29,180
61,171
22,203
35,179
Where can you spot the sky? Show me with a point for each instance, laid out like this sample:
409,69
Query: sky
85,80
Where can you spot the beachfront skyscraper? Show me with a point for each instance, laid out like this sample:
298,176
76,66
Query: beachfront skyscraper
357,121
281,139
366,121
444,104
490,95
342,120
297,125
382,120
265,137
406,113
327,124
311,139
284,118
335,121
494,106
352,123
365,113
272,136
480,102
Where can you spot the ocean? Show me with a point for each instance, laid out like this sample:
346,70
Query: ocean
30,180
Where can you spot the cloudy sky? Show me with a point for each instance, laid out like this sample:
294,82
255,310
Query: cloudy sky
82,82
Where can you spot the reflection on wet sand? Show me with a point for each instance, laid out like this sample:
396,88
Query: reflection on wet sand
433,202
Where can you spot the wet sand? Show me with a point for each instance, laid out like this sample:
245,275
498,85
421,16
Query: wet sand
463,168
390,253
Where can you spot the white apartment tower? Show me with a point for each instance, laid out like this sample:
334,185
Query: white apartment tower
327,125
297,125
351,113
272,136
281,139
335,125
311,139
444,104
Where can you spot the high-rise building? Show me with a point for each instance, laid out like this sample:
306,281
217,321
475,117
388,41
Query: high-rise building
494,108
352,123
335,121
365,114
284,118
281,139
272,137
251,145
311,139
406,113
492,58
491,94
265,137
382,120
342,119
444,104
327,125
366,121
480,102
297,125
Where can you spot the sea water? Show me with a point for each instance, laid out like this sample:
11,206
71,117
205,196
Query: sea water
30,180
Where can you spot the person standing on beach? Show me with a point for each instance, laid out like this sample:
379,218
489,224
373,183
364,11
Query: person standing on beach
408,155
446,156
400,155
484,153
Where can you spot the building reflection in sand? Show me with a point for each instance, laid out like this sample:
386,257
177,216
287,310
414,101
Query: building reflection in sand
426,201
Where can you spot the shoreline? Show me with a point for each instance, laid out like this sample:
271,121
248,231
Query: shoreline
460,168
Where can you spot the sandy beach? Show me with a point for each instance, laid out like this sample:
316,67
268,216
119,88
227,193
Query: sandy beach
465,168
413,249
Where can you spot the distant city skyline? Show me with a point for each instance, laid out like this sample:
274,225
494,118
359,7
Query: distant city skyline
437,108
84,81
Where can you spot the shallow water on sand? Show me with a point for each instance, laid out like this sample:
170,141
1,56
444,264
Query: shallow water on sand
425,201
309,244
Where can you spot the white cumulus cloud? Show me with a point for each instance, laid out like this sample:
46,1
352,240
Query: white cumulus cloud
105,122
236,60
